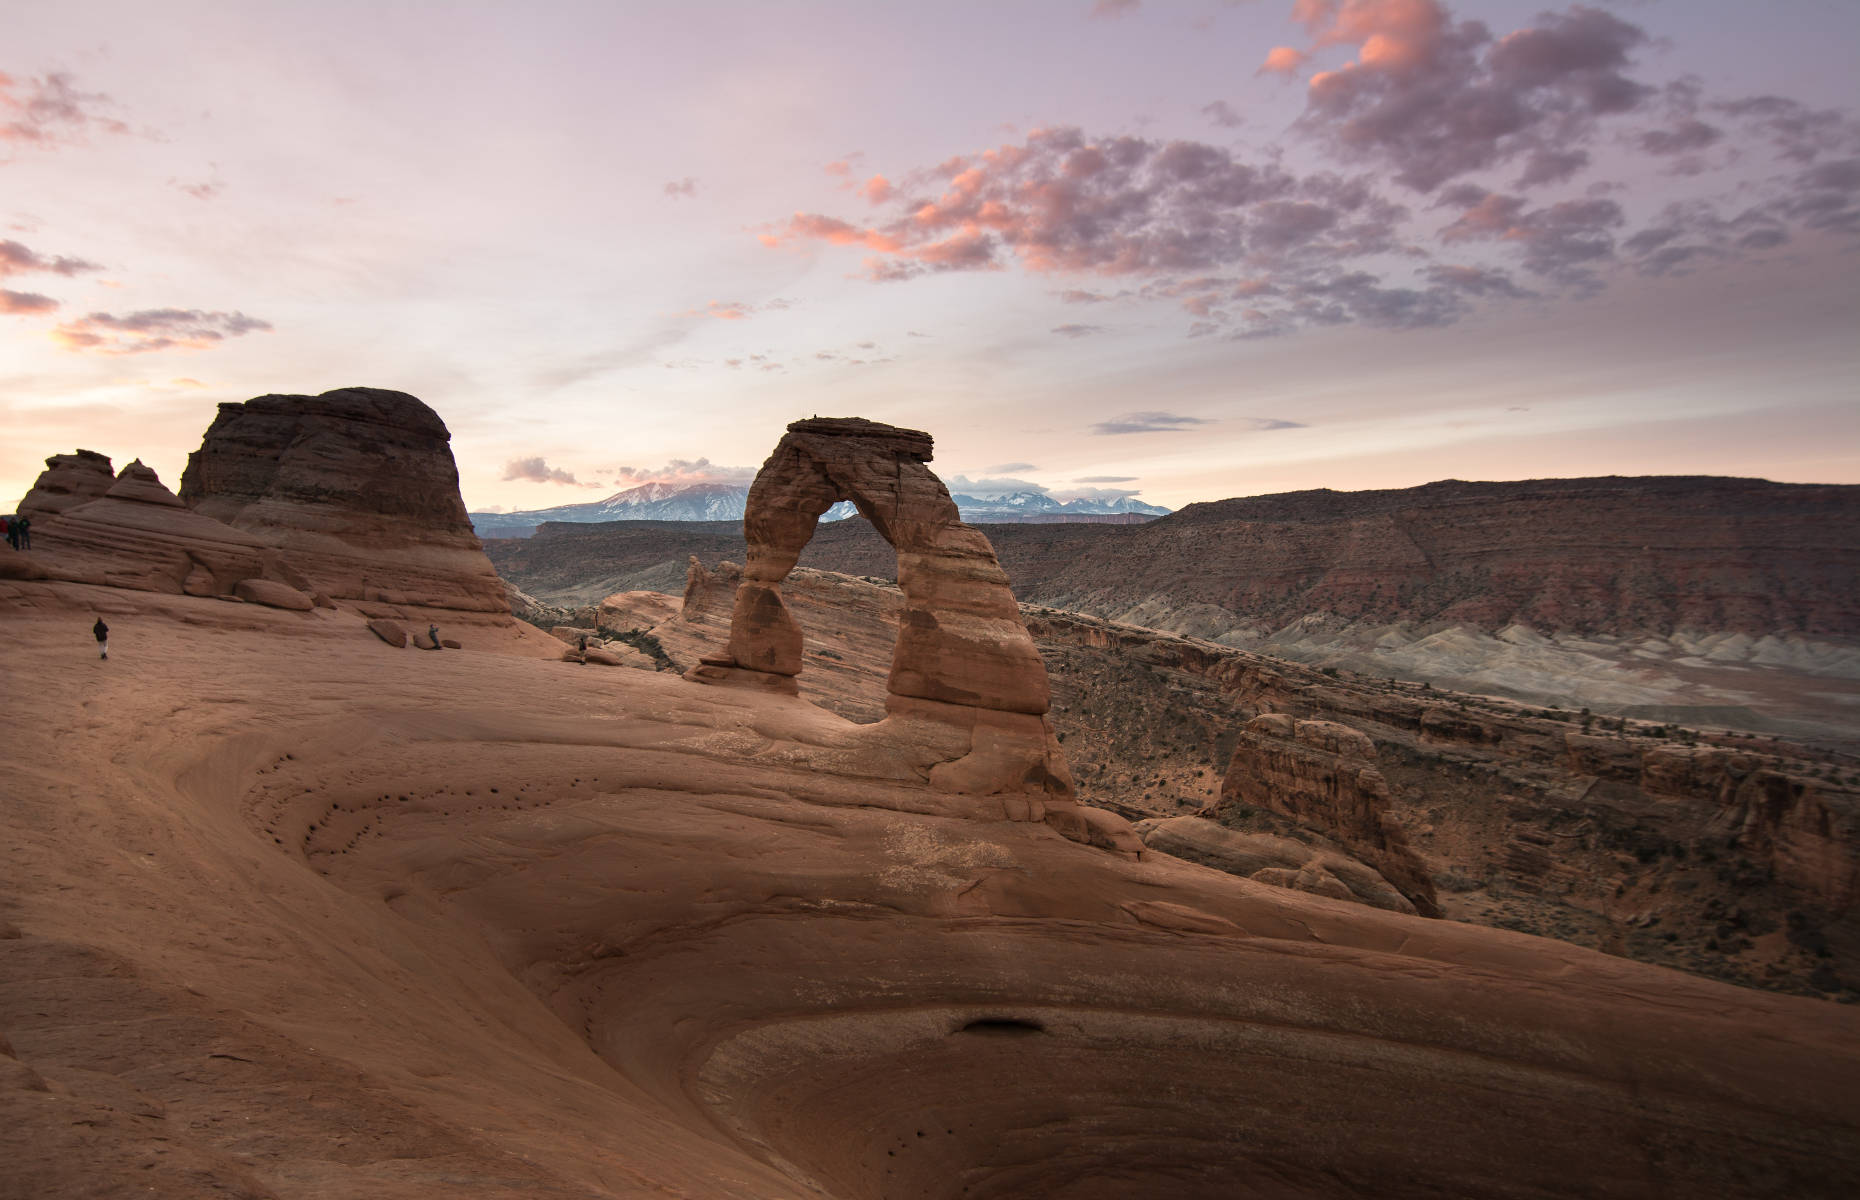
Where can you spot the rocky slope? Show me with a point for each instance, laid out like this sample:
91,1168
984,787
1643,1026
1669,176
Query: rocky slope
1731,856
286,912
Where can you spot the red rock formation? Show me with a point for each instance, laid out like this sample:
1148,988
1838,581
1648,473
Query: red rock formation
68,481
964,663
139,535
357,486
1319,775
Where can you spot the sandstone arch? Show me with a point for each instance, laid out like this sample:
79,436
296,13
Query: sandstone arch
964,660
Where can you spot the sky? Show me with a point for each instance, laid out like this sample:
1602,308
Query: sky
1182,251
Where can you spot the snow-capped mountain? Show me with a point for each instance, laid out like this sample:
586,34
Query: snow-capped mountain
726,502
1022,505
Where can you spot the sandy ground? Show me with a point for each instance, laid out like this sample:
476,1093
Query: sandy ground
287,912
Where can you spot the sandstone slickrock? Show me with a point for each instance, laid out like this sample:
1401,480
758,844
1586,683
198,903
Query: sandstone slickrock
68,481
964,661
300,918
1266,858
357,486
1320,775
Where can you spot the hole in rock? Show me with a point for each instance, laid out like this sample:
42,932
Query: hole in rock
1003,1027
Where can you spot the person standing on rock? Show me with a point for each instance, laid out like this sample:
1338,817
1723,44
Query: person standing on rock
583,649
22,533
432,631
101,632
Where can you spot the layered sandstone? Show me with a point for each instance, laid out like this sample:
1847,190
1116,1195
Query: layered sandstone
357,486
67,481
1267,858
1321,776
137,534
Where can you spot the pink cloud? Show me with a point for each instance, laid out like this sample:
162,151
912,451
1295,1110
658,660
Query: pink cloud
19,304
876,190
1436,99
47,111
16,259
1283,60
154,329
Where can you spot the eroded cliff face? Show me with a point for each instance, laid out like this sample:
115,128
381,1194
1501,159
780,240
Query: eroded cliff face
1321,777
357,486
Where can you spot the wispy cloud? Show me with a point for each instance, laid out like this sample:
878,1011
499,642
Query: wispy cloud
48,110
154,329
1077,331
1223,114
1106,479
17,259
684,188
1147,422
21,304
723,310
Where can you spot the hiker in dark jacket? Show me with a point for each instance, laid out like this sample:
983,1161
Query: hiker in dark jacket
101,632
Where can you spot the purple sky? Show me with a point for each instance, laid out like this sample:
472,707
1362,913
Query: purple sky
1191,250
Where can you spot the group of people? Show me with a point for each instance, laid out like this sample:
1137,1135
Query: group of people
18,532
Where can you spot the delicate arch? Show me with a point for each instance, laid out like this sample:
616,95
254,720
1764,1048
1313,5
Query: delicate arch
960,639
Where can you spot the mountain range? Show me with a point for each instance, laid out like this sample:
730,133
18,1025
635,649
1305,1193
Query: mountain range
726,502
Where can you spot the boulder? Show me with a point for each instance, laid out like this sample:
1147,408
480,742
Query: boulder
272,595
20,565
388,631
451,643
423,640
